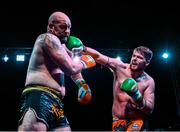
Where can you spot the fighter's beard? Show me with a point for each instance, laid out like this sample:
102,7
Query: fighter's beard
136,70
63,40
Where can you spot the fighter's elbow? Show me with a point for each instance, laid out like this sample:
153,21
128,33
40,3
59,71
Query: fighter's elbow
74,69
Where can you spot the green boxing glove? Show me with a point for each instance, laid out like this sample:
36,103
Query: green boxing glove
73,42
75,45
130,87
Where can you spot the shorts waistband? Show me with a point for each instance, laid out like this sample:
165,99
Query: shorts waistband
49,90
115,118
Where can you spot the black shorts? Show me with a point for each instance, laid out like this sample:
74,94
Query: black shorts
47,105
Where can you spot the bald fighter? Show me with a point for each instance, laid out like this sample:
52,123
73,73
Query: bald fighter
42,99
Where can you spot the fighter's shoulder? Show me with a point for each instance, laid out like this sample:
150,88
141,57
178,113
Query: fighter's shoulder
123,65
126,64
149,78
119,62
48,37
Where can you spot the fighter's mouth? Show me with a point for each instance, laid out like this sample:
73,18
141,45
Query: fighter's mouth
134,63
64,36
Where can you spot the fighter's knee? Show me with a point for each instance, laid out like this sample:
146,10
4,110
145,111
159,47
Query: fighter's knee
30,123
24,127
39,126
33,127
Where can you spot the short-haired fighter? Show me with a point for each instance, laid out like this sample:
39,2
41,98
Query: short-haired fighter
133,88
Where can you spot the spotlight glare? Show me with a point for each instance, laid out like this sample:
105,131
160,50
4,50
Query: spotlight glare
5,58
20,57
118,58
76,59
165,55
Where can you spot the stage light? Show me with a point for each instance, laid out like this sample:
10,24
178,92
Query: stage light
5,58
118,58
20,57
165,55
76,58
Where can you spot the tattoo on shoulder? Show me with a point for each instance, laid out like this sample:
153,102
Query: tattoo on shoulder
52,41
142,78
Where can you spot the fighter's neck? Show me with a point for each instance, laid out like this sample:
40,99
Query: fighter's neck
137,74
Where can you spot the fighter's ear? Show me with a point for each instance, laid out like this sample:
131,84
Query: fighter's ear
51,26
146,64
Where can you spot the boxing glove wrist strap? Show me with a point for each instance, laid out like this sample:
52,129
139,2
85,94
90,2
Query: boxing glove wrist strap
80,82
142,106
84,49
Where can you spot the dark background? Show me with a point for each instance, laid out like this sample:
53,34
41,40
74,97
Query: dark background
111,27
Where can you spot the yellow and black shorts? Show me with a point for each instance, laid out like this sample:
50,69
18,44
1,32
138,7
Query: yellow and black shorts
47,105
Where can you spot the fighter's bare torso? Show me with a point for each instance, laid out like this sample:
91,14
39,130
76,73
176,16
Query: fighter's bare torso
42,70
122,101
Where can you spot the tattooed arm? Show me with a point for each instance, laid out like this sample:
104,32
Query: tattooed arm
58,54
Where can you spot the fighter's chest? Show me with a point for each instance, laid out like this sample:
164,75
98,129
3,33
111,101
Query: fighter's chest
141,83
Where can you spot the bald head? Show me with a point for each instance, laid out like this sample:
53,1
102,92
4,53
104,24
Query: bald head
59,24
57,17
